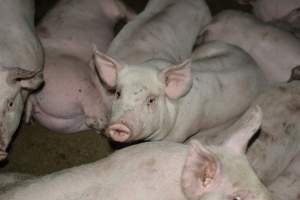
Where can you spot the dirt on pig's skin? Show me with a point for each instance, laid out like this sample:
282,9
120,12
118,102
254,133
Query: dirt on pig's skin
37,150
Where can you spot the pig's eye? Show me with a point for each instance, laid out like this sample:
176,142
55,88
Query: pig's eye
151,100
10,104
118,94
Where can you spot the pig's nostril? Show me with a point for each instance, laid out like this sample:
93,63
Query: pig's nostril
119,132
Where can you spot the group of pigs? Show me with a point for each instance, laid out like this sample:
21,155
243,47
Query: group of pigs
224,86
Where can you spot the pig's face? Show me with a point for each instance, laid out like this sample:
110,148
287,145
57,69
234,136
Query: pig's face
145,98
223,172
12,101
138,106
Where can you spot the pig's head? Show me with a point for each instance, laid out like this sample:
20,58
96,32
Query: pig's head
223,172
145,98
15,84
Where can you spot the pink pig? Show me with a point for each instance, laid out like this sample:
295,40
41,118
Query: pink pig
157,171
285,14
153,102
275,51
73,98
21,63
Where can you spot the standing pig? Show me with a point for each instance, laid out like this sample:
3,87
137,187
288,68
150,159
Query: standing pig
276,51
73,99
154,102
157,170
21,61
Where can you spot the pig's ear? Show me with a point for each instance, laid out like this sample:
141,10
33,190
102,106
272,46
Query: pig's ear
107,67
199,171
30,80
177,79
244,129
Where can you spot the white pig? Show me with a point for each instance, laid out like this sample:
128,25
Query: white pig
278,141
270,10
21,61
157,170
285,14
73,99
276,51
177,101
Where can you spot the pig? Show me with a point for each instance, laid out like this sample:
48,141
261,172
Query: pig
21,62
289,180
157,170
277,144
270,10
160,32
154,102
284,14
7,179
73,98
155,38
276,51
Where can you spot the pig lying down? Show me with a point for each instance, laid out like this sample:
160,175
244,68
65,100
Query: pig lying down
157,170
73,99
21,61
274,154
285,14
276,51
155,102
160,32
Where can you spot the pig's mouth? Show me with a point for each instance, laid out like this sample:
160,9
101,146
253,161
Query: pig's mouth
119,132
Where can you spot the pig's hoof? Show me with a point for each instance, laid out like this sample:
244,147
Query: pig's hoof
118,132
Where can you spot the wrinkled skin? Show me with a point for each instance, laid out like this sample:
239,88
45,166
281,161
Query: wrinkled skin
175,102
275,153
276,51
21,61
157,170
73,99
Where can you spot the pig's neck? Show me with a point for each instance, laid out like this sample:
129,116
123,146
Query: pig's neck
192,117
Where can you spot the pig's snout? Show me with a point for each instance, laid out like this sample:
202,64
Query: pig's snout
118,132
